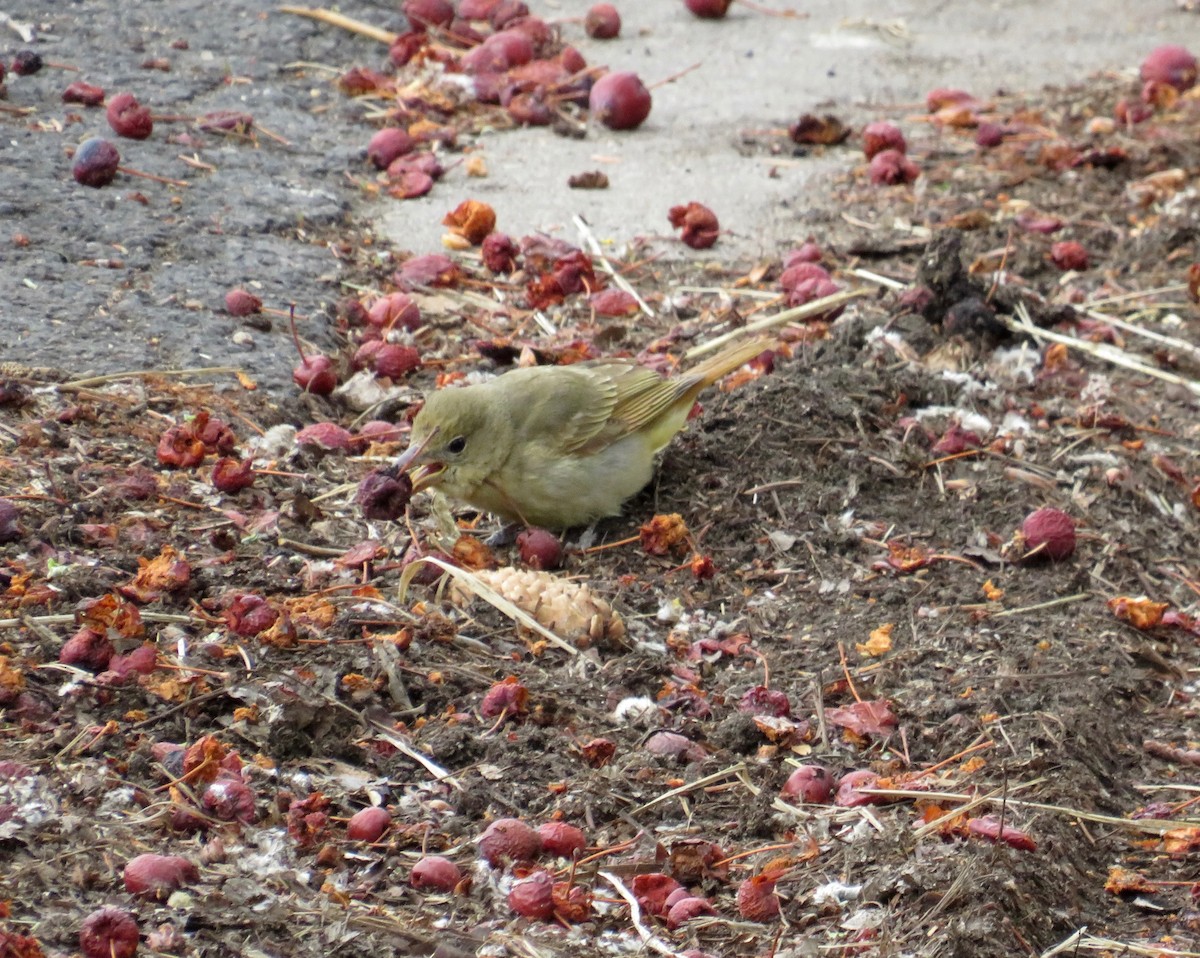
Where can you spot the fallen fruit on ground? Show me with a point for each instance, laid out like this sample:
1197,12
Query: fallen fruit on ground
620,101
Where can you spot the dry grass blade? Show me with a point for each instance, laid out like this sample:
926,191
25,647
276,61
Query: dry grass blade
815,308
1149,826
389,735
150,373
475,586
1109,353
1081,940
733,771
1150,334
649,940
593,246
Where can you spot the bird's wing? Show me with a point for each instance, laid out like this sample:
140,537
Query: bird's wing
646,402
591,427
629,398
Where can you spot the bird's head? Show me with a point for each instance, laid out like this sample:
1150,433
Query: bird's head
458,440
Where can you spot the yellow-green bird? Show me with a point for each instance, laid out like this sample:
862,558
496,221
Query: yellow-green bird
557,446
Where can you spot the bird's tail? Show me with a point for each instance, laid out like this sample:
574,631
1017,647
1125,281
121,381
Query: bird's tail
728,359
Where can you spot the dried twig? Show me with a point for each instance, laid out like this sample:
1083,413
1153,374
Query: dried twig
343,22
1065,600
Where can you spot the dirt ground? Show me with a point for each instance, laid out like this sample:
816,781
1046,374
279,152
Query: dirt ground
230,676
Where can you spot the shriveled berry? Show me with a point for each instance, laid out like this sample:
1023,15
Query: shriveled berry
533,897
128,118
96,162
811,784
562,840
540,549
383,496
1049,533
508,840
109,933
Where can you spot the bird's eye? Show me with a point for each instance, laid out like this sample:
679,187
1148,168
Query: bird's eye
457,445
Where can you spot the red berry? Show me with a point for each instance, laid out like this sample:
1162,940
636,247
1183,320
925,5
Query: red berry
562,840
96,162
891,168
509,840
315,374
686,909
232,475
1168,64
1049,533
388,144
436,873
109,933
129,118
756,898
368,824
383,496
10,528
395,310
811,784
395,361
1069,255
80,92
26,63
848,794
602,22
880,136
428,13
540,549
239,302
620,101
708,9
533,897
158,875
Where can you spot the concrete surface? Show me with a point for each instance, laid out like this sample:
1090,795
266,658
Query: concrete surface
855,58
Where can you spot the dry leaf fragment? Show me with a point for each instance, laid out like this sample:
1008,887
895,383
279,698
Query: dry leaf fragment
472,220
1121,880
879,642
166,572
864,718
1141,613
825,131
112,612
664,533
1181,841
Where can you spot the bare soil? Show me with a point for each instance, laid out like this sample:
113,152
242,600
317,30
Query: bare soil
857,555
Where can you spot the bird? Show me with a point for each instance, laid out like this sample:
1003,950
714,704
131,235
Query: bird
557,446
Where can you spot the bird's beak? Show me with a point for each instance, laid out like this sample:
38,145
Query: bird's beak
426,474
